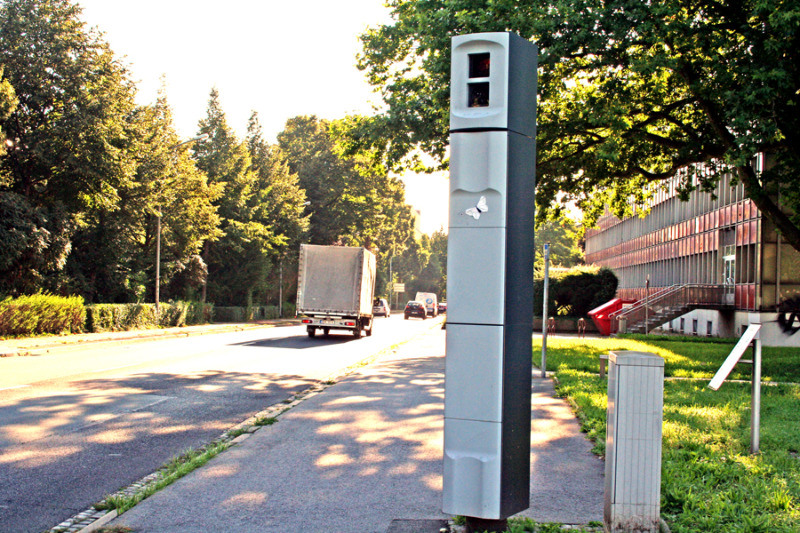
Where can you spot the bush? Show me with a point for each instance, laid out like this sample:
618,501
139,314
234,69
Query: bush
576,291
199,313
38,314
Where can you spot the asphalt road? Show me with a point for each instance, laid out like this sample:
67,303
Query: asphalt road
79,425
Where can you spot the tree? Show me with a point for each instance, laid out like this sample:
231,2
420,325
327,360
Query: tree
564,238
238,262
69,135
352,201
630,93
280,204
329,182
411,263
8,102
113,257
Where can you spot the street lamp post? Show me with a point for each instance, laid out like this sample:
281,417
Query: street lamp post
174,148
391,282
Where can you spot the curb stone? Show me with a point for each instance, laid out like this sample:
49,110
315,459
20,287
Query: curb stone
68,342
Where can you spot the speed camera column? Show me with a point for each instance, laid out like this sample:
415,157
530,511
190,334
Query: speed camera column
490,275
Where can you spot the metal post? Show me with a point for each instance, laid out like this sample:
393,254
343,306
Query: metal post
647,305
280,291
391,282
755,405
158,259
544,307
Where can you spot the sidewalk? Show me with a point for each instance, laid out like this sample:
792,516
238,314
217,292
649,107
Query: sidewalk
365,452
52,343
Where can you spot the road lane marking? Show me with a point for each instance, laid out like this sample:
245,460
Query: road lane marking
15,387
115,368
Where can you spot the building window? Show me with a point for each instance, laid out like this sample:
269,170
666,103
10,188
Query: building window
683,325
709,328
694,326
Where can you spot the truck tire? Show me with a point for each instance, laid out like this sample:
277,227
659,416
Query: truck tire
311,331
357,332
371,325
326,331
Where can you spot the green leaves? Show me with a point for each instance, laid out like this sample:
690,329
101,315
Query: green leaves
629,93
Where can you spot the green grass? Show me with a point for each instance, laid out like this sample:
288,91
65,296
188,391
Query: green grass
688,358
265,421
709,480
174,469
528,525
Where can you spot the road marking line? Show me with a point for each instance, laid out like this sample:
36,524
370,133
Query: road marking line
114,368
15,387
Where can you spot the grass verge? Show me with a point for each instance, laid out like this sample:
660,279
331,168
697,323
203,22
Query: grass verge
709,480
524,524
175,469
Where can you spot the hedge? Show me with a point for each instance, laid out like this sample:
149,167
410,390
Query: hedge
38,314
44,313
247,314
122,317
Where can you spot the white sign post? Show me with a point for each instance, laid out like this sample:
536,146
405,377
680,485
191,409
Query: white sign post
751,336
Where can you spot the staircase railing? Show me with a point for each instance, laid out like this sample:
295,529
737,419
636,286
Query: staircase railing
669,298
658,293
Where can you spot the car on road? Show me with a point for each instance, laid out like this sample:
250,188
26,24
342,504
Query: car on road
442,307
415,308
380,307
429,300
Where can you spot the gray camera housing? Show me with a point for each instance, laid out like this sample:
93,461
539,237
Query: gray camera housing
490,276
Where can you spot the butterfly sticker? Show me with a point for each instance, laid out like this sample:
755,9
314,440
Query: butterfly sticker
480,207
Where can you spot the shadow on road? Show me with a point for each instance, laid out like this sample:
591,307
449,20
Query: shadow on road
300,342
67,448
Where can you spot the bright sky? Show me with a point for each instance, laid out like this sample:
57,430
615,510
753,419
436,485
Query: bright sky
280,58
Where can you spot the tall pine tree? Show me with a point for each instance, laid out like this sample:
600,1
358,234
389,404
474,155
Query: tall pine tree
238,263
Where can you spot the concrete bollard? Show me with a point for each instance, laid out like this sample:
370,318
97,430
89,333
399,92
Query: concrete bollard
633,442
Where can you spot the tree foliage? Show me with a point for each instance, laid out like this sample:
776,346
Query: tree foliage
238,261
90,182
8,102
67,137
351,201
114,252
564,239
630,93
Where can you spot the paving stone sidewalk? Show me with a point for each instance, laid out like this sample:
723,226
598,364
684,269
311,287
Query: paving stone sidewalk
364,453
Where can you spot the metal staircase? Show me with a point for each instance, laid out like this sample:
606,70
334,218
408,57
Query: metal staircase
668,304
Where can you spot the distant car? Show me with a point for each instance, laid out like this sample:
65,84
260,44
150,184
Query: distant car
414,308
442,307
380,307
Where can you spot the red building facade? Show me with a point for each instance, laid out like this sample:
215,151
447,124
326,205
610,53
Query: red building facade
718,244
